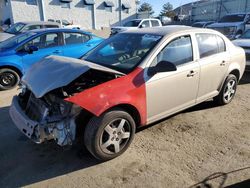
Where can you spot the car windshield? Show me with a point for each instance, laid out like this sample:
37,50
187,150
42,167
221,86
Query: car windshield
133,23
13,41
245,35
15,29
233,18
123,52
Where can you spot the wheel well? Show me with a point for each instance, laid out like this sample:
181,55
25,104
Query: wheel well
132,111
236,73
12,68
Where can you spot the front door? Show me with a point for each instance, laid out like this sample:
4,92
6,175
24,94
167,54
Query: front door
47,44
170,92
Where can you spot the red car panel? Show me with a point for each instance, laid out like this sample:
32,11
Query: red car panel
129,89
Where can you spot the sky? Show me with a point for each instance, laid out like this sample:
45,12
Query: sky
157,4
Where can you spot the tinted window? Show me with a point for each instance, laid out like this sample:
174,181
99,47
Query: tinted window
155,23
45,41
75,38
133,23
146,23
179,51
233,18
209,44
31,27
51,26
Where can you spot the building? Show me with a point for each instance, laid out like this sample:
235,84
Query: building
206,10
90,14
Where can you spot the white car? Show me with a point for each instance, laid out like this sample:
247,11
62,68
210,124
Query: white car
244,42
136,24
66,24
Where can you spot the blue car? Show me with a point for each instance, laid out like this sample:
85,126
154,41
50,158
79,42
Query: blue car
18,53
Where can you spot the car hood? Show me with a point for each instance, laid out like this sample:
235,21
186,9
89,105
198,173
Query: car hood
4,36
242,42
226,24
53,72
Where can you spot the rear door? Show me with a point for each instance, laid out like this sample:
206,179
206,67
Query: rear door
214,61
76,44
47,44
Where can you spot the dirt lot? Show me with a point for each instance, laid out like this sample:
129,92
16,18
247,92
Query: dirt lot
181,151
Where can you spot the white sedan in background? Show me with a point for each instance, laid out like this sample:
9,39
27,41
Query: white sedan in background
244,42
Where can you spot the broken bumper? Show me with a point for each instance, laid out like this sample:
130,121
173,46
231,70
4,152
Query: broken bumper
22,122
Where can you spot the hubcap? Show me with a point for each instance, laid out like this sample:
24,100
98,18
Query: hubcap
7,79
115,136
229,90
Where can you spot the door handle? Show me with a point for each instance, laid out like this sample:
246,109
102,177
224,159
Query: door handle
89,45
191,73
57,52
223,63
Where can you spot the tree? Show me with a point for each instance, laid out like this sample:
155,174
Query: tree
146,7
167,10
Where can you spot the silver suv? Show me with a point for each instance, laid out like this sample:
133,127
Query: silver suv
232,25
130,80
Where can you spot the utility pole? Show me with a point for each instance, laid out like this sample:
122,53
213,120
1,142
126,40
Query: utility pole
220,9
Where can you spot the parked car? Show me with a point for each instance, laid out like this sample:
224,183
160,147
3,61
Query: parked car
18,53
232,25
66,24
130,80
135,24
244,42
20,27
202,24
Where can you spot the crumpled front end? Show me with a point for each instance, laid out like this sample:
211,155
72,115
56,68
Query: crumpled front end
46,118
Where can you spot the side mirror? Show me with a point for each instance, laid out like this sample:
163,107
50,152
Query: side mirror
142,26
31,49
162,66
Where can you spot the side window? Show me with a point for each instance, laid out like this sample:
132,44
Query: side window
179,51
146,23
75,38
35,42
51,26
51,40
155,23
221,44
209,44
31,27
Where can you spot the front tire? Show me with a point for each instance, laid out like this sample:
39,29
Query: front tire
109,135
8,79
228,90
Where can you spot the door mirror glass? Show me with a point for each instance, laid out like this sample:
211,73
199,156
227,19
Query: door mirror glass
162,66
31,49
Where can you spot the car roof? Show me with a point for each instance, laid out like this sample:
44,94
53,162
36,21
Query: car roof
58,30
168,30
39,22
165,30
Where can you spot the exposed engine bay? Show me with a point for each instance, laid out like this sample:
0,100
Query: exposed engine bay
51,117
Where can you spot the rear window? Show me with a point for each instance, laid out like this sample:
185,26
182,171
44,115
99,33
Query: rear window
210,44
75,38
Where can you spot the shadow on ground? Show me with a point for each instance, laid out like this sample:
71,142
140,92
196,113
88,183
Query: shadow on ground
23,162
245,79
218,180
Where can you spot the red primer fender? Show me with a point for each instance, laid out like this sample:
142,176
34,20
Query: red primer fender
129,89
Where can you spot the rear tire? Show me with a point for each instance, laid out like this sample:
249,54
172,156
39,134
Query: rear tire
109,135
8,79
228,90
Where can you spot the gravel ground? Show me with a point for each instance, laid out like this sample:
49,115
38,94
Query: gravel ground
202,143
